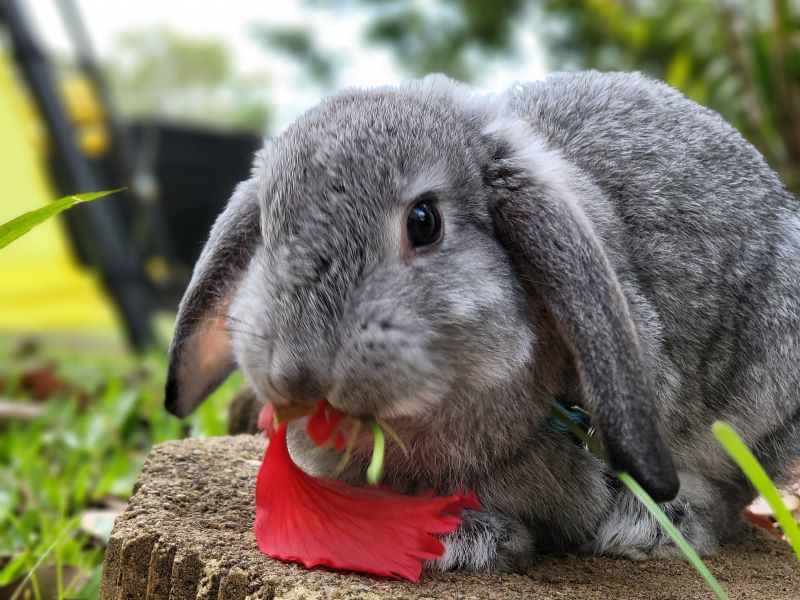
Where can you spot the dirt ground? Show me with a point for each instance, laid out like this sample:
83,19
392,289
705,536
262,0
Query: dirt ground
187,533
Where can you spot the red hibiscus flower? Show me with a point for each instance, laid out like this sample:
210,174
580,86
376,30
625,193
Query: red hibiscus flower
321,521
323,424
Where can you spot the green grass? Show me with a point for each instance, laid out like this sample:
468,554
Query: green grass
748,463
674,533
79,452
741,455
633,486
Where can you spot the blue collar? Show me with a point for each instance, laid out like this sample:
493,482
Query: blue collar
577,415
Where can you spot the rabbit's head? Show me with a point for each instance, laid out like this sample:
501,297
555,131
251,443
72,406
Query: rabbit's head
393,252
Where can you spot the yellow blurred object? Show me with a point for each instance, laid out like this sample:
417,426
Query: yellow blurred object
41,285
157,268
81,103
92,140
86,115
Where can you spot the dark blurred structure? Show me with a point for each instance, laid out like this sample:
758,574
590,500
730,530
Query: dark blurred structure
196,171
145,241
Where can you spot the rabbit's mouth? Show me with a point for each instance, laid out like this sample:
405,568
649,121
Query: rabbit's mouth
289,412
329,427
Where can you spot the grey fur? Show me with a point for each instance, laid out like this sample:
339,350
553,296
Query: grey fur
606,240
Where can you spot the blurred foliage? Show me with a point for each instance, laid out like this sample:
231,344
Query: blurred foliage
299,44
156,72
85,448
445,36
739,57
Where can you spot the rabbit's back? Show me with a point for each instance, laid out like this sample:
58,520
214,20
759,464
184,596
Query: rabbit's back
705,240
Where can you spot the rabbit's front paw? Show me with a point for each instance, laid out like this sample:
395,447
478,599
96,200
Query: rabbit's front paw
485,542
700,512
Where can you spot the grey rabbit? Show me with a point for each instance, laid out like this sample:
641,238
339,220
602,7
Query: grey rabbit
455,262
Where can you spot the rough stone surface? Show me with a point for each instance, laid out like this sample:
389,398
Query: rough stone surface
187,533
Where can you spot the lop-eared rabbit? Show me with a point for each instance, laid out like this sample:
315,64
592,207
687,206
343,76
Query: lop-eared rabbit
455,263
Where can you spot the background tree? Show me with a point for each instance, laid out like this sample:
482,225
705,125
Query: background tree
446,36
160,73
740,57
299,43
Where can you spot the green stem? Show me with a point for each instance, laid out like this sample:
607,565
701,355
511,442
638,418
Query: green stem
375,469
673,532
349,444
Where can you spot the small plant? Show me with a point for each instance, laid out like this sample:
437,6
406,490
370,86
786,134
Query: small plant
18,227
739,452
82,452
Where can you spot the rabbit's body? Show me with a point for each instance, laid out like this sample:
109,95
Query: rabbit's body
705,241
606,242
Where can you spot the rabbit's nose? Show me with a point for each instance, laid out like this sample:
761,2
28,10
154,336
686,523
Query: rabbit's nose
297,382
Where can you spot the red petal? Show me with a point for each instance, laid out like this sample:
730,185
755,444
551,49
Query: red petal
338,445
323,422
321,521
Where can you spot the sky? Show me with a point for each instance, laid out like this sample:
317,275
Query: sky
338,32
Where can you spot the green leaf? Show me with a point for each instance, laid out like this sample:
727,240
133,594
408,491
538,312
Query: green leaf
18,227
15,568
633,486
375,469
739,452
679,70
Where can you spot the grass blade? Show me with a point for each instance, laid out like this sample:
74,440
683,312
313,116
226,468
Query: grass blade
375,469
739,452
32,576
633,486
673,532
18,227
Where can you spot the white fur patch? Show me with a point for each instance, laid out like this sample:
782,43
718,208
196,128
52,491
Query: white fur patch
632,532
462,97
549,167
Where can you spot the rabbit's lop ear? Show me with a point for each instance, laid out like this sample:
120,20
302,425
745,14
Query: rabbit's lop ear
551,241
200,356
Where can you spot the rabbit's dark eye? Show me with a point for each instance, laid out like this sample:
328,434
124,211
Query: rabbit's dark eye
424,224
